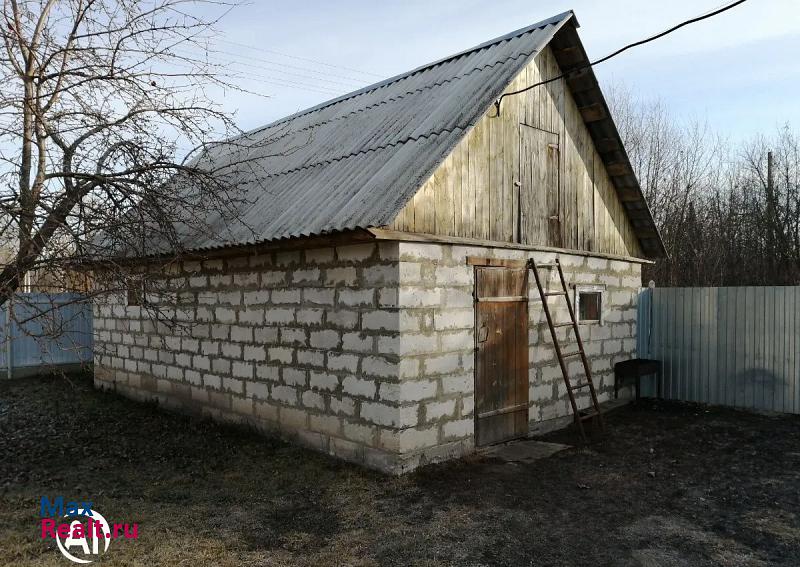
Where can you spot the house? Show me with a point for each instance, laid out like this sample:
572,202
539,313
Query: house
348,314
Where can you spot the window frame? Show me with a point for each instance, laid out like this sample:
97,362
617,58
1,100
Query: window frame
589,288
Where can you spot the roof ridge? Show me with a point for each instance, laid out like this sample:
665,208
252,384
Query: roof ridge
560,18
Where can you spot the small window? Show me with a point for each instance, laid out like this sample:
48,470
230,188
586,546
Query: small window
589,303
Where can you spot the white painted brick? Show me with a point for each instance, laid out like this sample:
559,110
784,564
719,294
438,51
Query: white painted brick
303,276
357,342
225,315
419,297
362,434
358,387
323,381
257,389
241,334
342,275
212,381
442,364
408,367
284,394
377,320
342,319
264,335
277,316
242,369
453,275
319,296
461,383
293,336
409,272
388,297
355,252
344,405
221,366
411,439
273,278
417,344
311,357
439,409
319,256
409,320
312,399
454,319
280,354
417,251
458,429
325,339
201,362
281,296
269,372
231,350
467,406
233,385
294,376
193,377
310,316
356,297
377,366
339,361
260,297
256,353
459,340
381,274
457,298
380,414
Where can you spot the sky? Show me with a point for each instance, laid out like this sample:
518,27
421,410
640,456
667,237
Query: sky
740,71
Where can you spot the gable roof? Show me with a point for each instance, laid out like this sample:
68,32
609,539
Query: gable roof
355,161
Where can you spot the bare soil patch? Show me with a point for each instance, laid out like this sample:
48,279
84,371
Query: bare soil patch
672,484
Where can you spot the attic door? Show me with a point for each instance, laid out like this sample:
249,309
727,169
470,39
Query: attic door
501,364
539,187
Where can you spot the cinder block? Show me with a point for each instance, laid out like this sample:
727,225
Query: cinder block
357,387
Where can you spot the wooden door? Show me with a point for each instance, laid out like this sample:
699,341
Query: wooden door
539,187
501,365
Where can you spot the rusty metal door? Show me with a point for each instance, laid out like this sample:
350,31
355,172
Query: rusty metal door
501,363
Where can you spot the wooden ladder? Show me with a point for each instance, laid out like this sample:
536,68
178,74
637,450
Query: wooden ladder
594,412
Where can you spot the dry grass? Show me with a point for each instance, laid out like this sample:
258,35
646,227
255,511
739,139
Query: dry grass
724,492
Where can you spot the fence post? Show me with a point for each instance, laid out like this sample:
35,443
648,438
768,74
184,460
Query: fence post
9,338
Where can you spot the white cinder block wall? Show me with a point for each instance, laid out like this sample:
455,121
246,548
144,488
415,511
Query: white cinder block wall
364,351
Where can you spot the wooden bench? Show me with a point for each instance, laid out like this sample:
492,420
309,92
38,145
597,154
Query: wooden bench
634,369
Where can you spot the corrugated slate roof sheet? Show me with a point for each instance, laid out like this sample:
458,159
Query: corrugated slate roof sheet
355,161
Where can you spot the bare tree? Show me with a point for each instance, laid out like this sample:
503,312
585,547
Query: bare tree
724,218
106,107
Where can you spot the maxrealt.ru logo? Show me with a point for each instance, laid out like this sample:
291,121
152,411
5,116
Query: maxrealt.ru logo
87,535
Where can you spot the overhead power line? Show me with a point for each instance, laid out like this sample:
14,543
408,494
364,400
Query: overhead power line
297,57
700,18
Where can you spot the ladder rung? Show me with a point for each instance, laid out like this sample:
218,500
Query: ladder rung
579,386
546,265
557,325
549,293
585,416
569,354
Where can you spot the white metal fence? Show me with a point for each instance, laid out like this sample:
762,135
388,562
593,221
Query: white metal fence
733,346
46,330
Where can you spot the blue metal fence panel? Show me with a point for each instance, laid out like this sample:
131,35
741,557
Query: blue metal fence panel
736,346
46,330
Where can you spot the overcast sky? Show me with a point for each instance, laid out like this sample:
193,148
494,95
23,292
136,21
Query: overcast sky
739,70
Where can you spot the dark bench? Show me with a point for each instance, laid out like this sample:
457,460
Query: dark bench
633,370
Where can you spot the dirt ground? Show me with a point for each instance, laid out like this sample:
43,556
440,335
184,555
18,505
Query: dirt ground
671,484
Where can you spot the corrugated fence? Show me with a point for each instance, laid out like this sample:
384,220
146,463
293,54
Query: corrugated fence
733,346
47,330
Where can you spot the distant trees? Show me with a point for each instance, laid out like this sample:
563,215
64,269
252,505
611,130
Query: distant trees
729,214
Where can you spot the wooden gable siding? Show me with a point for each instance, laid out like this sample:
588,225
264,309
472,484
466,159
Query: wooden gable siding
473,194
